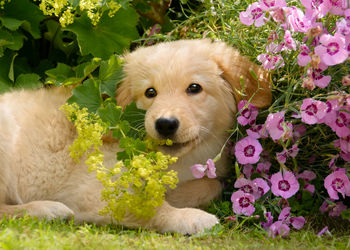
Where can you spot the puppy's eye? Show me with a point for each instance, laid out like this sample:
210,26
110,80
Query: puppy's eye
193,88
150,93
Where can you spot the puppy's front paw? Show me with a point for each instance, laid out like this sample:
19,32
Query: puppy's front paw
190,221
49,210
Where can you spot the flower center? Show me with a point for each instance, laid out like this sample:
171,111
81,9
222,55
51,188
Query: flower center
256,13
337,184
261,191
249,151
311,109
279,125
269,3
329,107
246,113
247,189
283,185
341,120
244,202
332,48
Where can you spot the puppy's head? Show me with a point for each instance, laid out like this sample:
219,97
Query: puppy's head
190,89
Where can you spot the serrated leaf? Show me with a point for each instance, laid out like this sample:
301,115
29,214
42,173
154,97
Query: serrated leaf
136,119
28,81
28,13
111,114
122,130
85,69
110,74
60,74
87,95
110,35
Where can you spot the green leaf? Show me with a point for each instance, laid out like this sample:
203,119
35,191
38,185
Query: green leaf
26,12
10,23
60,74
110,74
28,81
5,62
122,130
110,35
87,95
135,118
111,114
11,74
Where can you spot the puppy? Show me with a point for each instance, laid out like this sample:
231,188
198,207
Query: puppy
189,90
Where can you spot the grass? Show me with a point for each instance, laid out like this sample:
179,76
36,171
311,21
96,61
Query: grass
28,233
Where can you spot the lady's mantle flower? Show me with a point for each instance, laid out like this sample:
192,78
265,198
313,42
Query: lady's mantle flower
253,14
285,185
248,113
312,111
332,50
199,170
276,126
248,150
243,203
337,182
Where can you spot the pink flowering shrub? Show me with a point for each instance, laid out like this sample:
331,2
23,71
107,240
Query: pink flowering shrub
295,156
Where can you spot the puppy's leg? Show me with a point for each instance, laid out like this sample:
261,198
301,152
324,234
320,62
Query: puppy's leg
177,220
40,209
194,193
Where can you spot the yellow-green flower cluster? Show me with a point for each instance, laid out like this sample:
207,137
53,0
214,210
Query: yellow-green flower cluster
140,186
90,129
136,185
2,3
64,10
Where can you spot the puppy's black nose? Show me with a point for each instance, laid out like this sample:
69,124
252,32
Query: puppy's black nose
167,127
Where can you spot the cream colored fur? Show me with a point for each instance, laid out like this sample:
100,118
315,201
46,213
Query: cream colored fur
38,177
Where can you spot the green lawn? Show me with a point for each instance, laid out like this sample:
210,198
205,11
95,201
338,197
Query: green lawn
28,233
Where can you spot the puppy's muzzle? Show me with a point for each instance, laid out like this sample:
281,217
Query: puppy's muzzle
167,127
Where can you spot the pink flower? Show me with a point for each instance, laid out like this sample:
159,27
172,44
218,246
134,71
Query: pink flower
331,112
303,57
262,187
323,230
298,131
269,220
276,126
272,4
292,152
248,113
248,150
263,167
318,79
289,41
341,125
285,185
297,222
253,14
199,170
344,144
335,7
248,170
271,61
333,209
312,111
332,50
315,5
278,229
307,175
296,20
337,182
257,131
243,203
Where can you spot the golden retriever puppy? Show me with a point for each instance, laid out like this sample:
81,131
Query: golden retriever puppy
190,91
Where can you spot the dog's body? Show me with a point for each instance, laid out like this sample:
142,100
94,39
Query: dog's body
37,175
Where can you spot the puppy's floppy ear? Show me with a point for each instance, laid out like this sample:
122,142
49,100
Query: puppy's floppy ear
234,67
123,94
